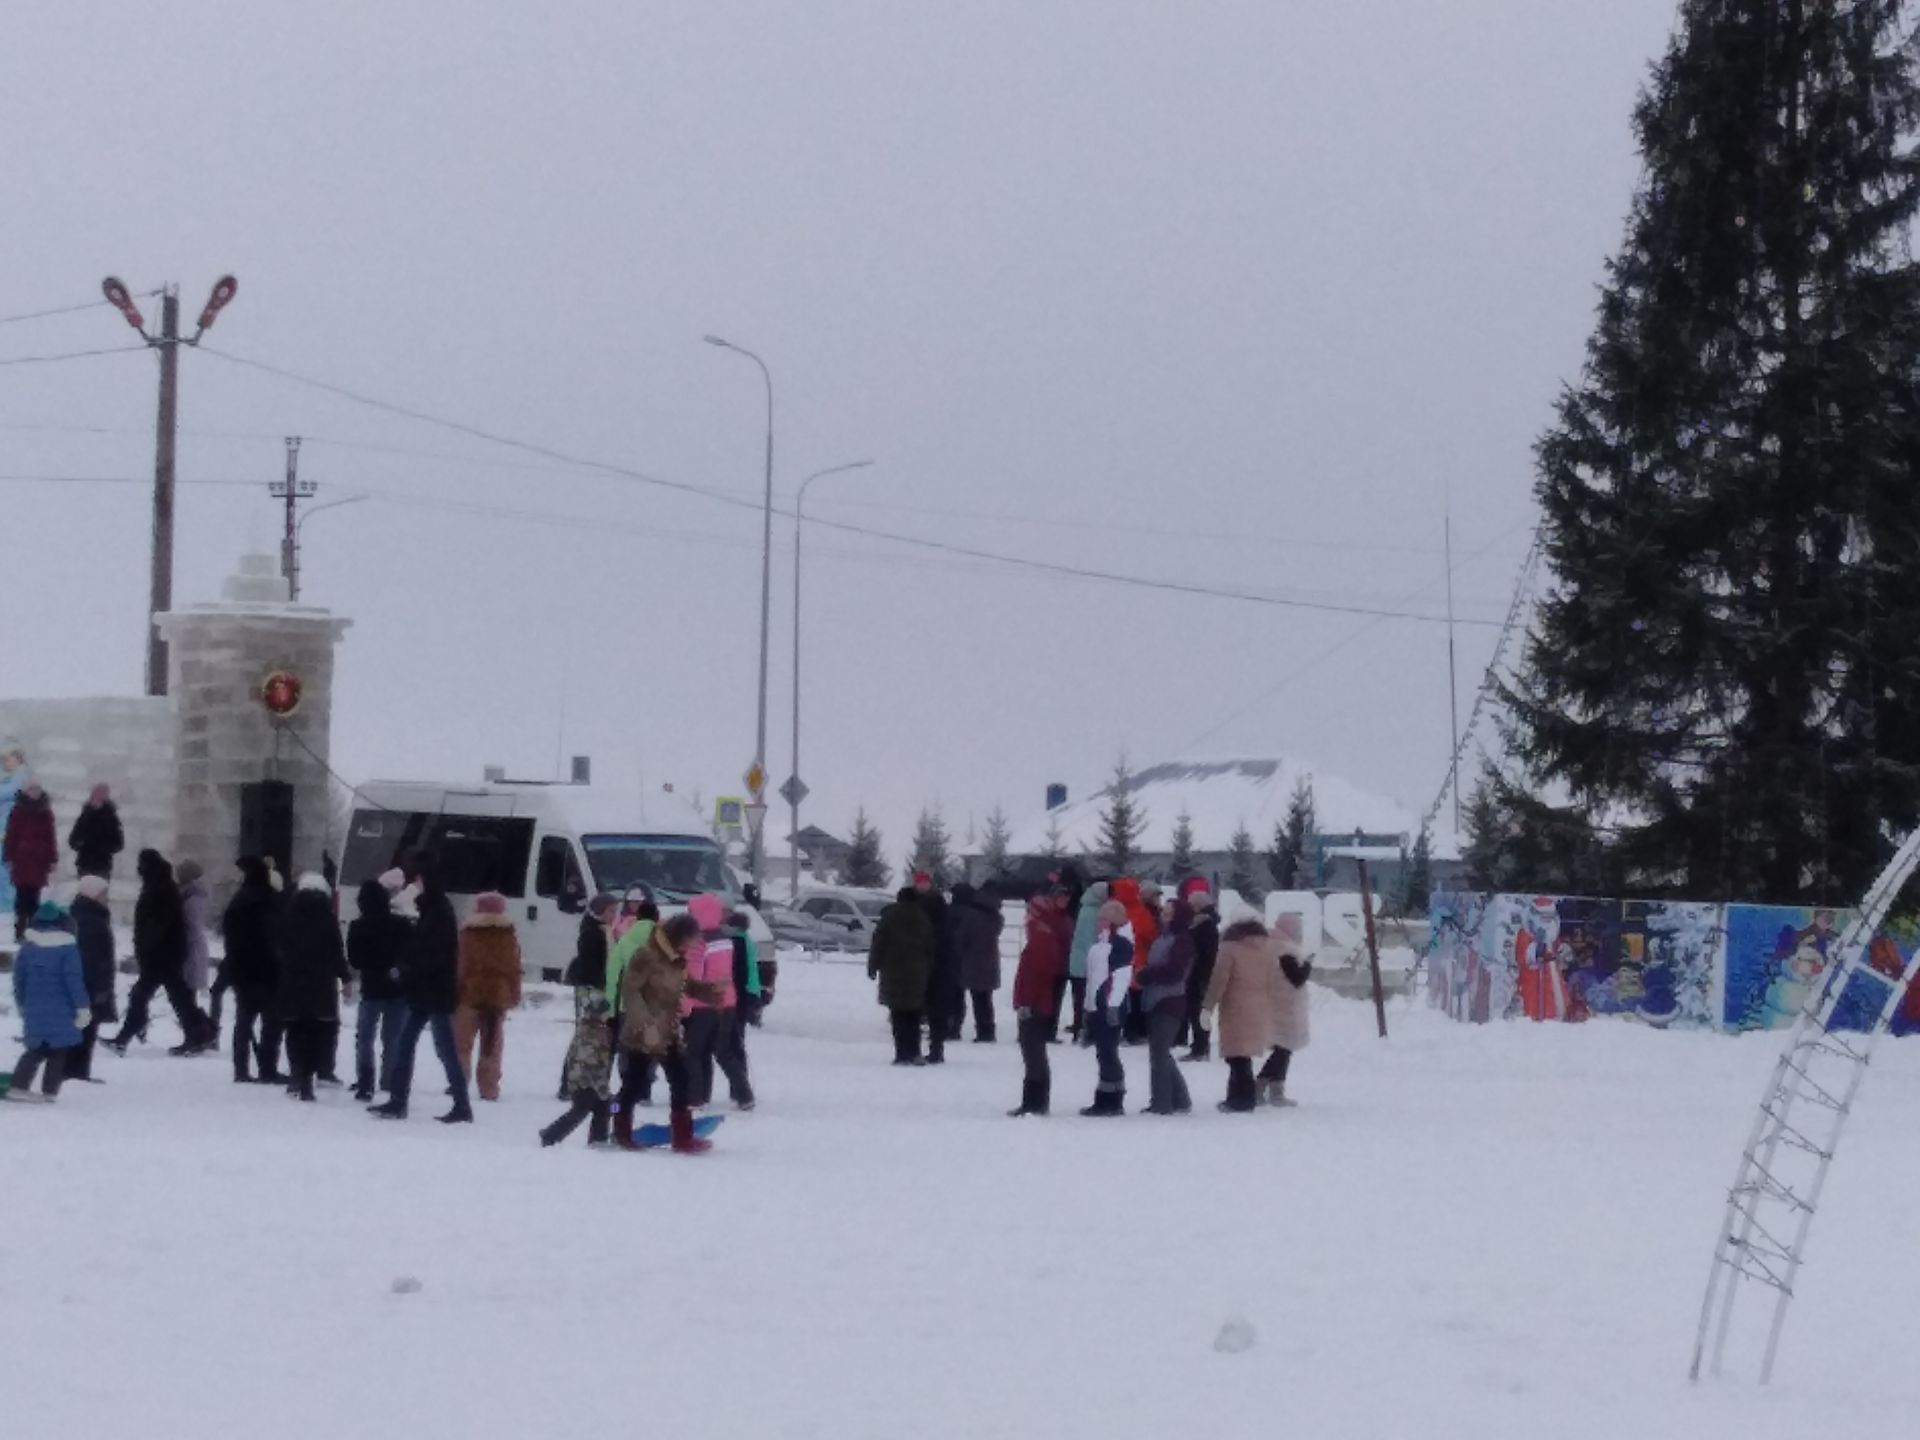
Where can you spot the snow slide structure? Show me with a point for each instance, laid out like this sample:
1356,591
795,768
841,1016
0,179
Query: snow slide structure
1783,1169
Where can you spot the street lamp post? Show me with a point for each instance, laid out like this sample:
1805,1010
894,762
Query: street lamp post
766,603
293,588
795,790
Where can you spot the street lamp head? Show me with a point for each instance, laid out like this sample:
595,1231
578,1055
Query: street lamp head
223,289
118,297
716,340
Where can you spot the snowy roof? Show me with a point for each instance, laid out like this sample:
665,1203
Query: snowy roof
1219,796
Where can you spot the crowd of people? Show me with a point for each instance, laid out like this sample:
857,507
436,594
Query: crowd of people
1122,963
1114,963
652,998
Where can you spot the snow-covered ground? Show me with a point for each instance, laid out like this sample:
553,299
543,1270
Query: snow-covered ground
1482,1232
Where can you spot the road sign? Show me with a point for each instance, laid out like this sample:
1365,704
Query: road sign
756,817
302,489
756,778
795,791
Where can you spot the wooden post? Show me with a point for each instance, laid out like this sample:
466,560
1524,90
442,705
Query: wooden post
1373,951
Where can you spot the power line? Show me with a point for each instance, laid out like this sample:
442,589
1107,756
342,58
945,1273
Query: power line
46,314
575,468
71,355
747,503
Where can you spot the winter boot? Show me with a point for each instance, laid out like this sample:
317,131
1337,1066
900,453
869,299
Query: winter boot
623,1130
392,1110
1033,1101
1106,1103
460,1114
685,1142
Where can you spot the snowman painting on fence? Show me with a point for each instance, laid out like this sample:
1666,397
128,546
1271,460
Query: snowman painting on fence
14,776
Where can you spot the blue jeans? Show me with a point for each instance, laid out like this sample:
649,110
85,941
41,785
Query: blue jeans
383,1018
442,1027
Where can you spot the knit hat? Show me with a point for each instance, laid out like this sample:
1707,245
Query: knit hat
491,902
1194,887
51,912
1113,914
1149,889
1287,926
394,881
313,883
709,910
922,877
600,905
91,887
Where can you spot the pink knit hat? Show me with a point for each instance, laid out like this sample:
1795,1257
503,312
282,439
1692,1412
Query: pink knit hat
492,902
709,911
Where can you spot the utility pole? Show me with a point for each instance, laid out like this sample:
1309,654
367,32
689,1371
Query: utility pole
1453,683
168,343
160,588
757,772
293,490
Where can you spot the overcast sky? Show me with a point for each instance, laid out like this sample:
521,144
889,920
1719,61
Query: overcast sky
1224,294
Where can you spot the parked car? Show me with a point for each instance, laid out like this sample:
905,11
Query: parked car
808,932
851,914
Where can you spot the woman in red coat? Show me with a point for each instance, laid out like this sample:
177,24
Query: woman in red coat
31,849
1036,992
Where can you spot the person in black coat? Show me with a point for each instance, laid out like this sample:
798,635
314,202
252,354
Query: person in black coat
431,982
976,922
93,932
588,971
251,970
377,944
1206,950
96,836
313,969
160,950
945,1010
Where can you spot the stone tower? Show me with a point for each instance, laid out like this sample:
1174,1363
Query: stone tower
221,657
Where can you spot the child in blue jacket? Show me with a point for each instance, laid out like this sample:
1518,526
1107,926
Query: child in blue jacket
50,992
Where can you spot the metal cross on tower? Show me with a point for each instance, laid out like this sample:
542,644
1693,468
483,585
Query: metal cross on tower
1763,1237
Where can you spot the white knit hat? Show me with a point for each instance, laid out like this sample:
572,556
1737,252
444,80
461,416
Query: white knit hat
311,881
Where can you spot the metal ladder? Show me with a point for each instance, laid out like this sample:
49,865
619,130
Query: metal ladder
1763,1237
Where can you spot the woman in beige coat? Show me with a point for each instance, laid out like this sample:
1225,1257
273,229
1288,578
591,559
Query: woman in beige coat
1289,1010
1244,991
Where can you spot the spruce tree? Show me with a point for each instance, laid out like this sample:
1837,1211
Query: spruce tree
1183,844
1121,823
933,849
1292,837
1243,866
993,850
864,866
1718,695
1417,891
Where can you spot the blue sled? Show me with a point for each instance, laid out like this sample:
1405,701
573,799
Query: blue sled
654,1137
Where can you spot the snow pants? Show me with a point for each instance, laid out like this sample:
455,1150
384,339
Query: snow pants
1106,1046
489,1026
29,1066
